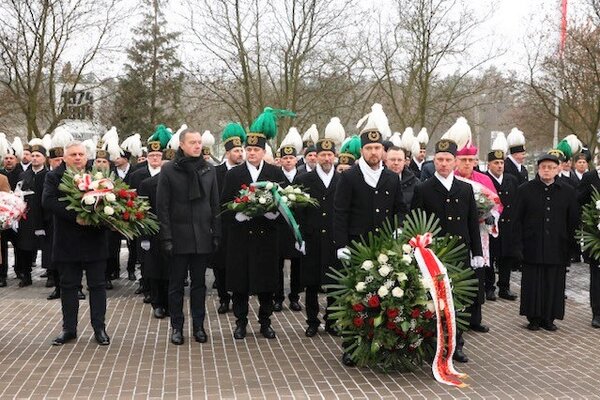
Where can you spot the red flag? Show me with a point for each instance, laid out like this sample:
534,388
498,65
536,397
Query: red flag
563,26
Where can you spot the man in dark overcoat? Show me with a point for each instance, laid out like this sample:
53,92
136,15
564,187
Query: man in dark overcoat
31,234
546,217
190,229
252,243
76,247
502,252
366,196
452,201
12,170
316,226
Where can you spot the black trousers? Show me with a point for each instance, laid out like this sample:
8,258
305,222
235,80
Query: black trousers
221,281
295,287
312,307
132,259
159,293
6,237
178,270
265,309
70,281
25,260
595,288
502,265
475,308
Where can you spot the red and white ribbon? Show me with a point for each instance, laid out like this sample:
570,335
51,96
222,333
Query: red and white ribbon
434,272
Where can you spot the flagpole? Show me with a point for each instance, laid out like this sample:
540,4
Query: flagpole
561,48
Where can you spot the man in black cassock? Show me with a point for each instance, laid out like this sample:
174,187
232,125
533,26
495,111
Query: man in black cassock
545,221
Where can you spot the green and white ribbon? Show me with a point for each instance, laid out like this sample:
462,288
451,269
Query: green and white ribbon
283,208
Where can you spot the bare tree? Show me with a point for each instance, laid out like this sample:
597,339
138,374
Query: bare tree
46,48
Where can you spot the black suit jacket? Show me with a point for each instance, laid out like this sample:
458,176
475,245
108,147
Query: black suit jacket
136,177
589,182
456,209
71,242
13,176
360,208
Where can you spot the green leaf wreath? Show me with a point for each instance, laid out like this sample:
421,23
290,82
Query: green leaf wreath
590,226
382,307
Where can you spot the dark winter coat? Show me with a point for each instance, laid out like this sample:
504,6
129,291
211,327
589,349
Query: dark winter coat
511,169
190,224
155,262
503,244
408,183
35,219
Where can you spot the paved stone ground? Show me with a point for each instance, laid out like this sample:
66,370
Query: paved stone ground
508,362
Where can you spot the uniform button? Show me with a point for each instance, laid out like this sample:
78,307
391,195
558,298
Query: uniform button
449,218
447,200
323,198
386,192
376,229
547,219
459,237
376,192
508,206
501,219
458,218
323,231
547,198
377,210
548,208
324,214
546,189
250,232
456,200
547,232
262,231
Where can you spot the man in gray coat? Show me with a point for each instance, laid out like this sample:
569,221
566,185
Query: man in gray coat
190,229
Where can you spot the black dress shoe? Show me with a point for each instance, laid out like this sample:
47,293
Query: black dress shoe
131,275
491,295
533,325
596,321
64,337
54,295
109,285
240,331
101,337
177,337
347,360
159,313
50,282
25,280
147,298
295,306
80,295
480,328
223,308
460,356
332,331
507,295
200,336
312,330
267,332
2,282
140,289
277,306
549,326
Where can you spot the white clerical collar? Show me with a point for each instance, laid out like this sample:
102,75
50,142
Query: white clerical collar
566,174
446,182
308,167
418,163
123,172
255,172
153,171
514,162
289,175
25,166
370,175
326,177
39,169
579,174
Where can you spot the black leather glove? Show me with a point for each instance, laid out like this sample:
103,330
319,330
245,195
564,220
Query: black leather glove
489,220
167,247
216,242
